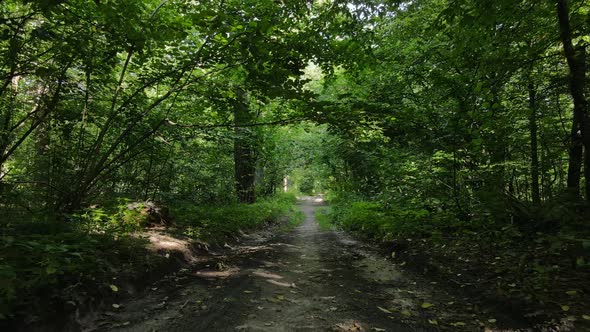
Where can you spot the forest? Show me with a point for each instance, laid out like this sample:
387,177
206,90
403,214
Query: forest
144,141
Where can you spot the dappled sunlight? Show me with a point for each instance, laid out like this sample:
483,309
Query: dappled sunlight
282,284
252,249
273,278
319,199
287,245
272,264
315,199
350,326
321,165
267,275
215,274
377,270
160,242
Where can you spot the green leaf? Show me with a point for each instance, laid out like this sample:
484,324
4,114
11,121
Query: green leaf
478,87
571,293
114,288
427,305
406,313
565,307
50,269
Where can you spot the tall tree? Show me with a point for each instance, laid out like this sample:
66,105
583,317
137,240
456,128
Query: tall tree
244,149
580,133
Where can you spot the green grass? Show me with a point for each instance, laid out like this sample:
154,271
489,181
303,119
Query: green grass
387,221
323,217
216,223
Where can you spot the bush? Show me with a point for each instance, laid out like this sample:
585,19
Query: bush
120,217
215,223
374,220
41,258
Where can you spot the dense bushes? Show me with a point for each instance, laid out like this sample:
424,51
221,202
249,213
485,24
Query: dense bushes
44,260
375,221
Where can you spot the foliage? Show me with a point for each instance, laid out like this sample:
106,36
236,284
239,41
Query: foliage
122,217
52,259
308,159
217,223
45,260
426,118
461,110
96,97
322,216
373,220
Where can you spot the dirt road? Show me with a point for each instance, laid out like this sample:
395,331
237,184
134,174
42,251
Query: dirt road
307,280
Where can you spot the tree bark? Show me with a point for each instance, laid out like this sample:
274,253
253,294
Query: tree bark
535,192
244,152
580,134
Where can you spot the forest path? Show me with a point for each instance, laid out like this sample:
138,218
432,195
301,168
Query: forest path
307,280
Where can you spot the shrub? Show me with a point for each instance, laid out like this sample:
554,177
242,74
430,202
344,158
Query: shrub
218,222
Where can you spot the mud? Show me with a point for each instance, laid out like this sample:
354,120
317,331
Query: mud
306,280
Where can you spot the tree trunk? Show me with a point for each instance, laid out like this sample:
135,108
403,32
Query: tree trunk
244,153
534,145
580,133
42,174
575,159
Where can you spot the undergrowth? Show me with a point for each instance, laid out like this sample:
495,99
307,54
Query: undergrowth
44,259
323,217
215,223
375,221
544,267
41,261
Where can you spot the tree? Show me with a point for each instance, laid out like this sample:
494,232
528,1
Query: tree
580,134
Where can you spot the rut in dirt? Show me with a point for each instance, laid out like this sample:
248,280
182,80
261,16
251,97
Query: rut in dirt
307,280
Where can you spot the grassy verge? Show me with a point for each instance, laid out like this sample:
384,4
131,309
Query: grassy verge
214,224
324,218
51,266
545,273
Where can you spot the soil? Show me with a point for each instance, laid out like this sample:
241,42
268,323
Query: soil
306,280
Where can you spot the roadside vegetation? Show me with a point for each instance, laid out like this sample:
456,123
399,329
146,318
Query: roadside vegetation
62,264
